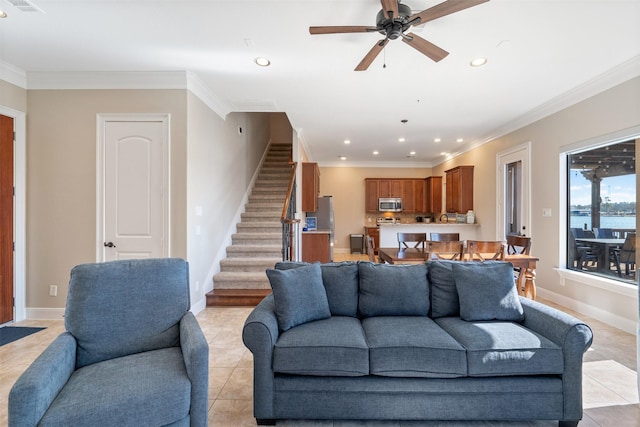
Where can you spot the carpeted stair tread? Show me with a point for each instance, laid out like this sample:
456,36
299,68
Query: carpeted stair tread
258,264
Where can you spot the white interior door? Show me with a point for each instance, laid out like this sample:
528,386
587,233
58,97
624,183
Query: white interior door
135,200
514,194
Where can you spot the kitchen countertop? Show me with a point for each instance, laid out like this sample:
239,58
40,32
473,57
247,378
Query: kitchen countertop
317,231
389,238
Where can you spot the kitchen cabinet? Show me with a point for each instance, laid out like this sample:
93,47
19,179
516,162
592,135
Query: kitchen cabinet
389,188
371,195
433,194
310,186
459,191
316,247
375,233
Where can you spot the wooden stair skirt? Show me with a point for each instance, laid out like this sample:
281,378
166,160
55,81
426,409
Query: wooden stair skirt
236,297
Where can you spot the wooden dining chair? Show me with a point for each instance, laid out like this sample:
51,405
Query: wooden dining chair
417,239
444,237
518,244
483,250
452,251
371,248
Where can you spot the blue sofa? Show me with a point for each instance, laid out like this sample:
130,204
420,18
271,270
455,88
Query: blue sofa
435,341
132,354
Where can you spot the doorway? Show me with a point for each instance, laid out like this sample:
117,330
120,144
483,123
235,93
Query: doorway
133,194
514,191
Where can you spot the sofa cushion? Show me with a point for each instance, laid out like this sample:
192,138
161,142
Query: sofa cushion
393,290
412,346
444,295
487,291
504,348
340,280
329,347
299,295
144,389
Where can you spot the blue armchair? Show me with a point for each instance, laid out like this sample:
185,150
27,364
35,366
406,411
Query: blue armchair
132,354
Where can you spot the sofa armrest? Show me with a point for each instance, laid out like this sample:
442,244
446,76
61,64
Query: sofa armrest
259,335
38,386
195,351
575,338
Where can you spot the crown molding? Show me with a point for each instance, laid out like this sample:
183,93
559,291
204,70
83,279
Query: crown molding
373,164
196,86
106,80
12,74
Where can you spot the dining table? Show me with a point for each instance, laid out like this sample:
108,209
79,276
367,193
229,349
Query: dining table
526,264
603,247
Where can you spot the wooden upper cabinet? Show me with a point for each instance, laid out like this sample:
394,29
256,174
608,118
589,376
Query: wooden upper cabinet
389,188
310,187
459,192
433,194
371,195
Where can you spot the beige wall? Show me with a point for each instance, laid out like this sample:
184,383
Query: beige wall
605,114
281,131
221,163
61,179
346,185
12,96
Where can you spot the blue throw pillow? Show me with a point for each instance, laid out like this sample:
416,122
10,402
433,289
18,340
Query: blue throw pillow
444,295
487,291
393,290
340,280
299,295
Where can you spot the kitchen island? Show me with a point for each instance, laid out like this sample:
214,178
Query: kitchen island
389,232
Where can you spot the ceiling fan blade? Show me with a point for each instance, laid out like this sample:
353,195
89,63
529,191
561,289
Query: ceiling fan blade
425,47
390,6
341,29
371,55
443,9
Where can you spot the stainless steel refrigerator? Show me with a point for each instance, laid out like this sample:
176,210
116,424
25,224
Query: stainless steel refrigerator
325,221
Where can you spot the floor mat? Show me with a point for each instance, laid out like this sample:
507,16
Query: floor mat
9,334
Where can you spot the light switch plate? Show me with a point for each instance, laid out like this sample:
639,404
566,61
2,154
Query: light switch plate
546,212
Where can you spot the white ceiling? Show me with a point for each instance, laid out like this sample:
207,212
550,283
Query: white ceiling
542,56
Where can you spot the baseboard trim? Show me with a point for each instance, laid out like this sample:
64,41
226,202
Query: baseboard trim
39,313
604,316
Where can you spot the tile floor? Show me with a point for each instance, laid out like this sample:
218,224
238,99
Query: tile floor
609,380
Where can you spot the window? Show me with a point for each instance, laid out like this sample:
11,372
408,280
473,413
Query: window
602,211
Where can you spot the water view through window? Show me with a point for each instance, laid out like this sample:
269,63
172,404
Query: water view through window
602,211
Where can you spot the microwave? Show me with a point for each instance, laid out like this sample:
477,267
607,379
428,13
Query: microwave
390,204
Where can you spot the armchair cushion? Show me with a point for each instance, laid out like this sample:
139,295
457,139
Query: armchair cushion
112,312
299,295
151,388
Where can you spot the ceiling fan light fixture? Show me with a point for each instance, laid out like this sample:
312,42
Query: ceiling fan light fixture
478,62
262,61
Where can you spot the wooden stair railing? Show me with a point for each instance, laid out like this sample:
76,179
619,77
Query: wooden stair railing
290,225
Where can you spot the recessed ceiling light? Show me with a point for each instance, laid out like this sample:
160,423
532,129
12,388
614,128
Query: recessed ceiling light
376,152
343,158
459,140
401,139
478,62
437,140
443,153
263,62
3,14
412,153
346,141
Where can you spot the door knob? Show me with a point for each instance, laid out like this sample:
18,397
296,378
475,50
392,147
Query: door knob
109,245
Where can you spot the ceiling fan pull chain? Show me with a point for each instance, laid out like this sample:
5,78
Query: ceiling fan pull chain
384,57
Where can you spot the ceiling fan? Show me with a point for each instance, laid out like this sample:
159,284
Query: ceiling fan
394,19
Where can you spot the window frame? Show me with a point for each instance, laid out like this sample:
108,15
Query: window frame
563,271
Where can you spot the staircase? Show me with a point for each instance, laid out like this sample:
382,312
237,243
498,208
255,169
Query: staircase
257,245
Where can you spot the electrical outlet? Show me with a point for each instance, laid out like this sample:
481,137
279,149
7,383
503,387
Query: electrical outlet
53,290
